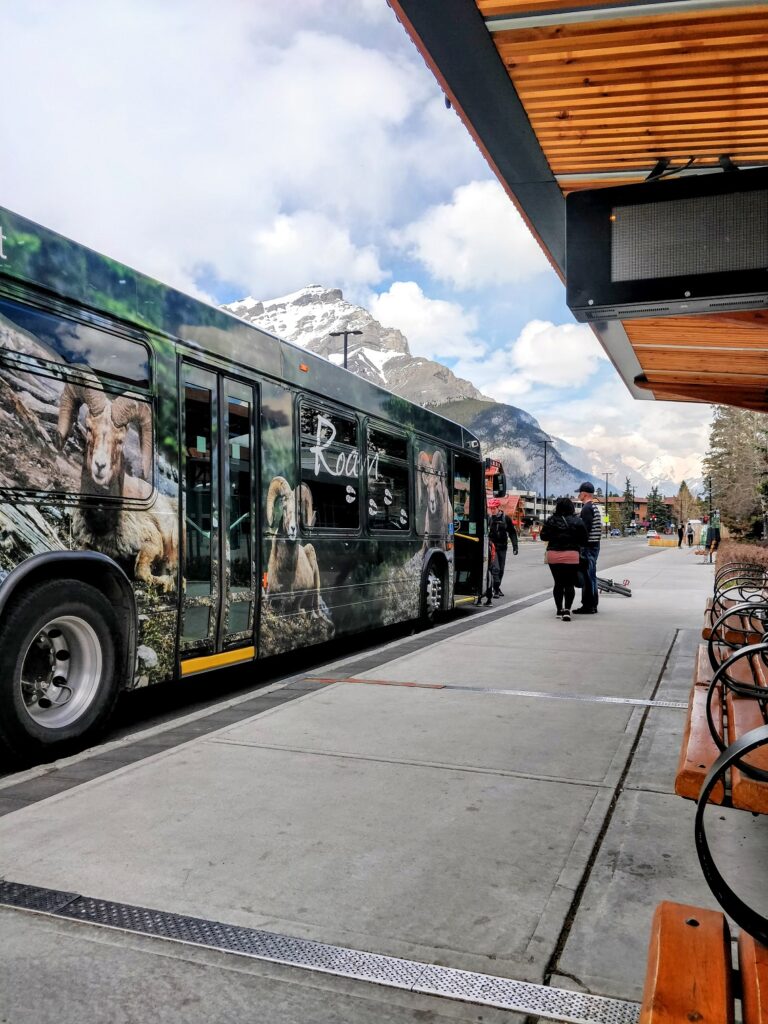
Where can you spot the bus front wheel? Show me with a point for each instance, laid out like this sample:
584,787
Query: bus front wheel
58,666
432,593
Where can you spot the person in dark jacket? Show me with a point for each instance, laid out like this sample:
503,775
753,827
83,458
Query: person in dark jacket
500,527
567,535
590,514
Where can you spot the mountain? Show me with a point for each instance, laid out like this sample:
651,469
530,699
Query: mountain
382,355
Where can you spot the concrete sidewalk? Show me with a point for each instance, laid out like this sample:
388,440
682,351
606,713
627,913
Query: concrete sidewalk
496,817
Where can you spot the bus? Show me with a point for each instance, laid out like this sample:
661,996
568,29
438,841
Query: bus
181,491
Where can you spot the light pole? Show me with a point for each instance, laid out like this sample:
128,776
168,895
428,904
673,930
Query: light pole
545,478
345,335
607,517
709,524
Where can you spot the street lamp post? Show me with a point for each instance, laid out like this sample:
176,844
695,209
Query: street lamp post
345,335
545,478
607,517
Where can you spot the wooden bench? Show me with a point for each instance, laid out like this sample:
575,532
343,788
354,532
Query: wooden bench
732,624
690,975
733,715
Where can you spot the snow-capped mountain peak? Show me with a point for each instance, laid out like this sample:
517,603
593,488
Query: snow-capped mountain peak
380,354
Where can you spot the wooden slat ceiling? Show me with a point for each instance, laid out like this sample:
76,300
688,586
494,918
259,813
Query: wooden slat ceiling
608,91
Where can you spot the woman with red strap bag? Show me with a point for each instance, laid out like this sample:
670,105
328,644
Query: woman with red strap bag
566,535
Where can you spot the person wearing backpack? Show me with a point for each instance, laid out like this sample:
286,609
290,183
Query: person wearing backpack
567,535
501,531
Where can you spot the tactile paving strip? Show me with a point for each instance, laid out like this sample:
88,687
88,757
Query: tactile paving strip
523,997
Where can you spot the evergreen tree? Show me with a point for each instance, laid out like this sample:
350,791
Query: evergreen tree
657,510
736,465
627,506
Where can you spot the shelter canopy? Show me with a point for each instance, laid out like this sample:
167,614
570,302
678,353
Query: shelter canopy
586,94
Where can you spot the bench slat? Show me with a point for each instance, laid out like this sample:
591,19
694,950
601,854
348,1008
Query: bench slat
749,794
753,964
688,977
699,750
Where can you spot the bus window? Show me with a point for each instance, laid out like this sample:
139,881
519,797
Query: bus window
57,339
198,521
330,464
388,481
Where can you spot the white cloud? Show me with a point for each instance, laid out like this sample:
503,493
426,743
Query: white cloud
555,356
477,240
171,135
674,435
308,247
434,328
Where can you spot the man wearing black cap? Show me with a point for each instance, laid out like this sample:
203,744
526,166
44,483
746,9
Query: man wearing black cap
590,513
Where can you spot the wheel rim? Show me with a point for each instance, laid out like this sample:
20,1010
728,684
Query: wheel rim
61,672
434,594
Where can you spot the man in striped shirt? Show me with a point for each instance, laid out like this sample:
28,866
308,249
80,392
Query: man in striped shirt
590,513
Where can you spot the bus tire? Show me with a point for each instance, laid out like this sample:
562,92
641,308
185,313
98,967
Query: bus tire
432,592
59,680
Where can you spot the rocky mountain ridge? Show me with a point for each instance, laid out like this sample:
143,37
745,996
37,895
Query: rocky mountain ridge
382,355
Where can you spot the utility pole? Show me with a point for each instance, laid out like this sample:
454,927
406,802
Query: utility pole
607,517
634,517
546,442
345,335
709,524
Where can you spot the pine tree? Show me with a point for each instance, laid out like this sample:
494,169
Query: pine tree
628,505
736,465
657,510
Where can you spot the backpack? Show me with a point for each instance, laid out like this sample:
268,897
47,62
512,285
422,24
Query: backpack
497,531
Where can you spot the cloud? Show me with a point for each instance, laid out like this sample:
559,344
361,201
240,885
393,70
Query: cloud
435,328
545,355
609,421
309,247
478,240
170,136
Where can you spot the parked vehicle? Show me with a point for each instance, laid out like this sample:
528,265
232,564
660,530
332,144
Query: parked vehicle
615,532
652,535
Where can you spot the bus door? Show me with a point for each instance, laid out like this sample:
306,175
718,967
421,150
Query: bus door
468,524
219,519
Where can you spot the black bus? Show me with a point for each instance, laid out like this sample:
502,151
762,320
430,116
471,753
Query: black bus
181,491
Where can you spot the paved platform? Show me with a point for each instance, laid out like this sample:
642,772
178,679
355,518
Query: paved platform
509,813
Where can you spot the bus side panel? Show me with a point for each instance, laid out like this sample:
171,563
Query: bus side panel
51,416
325,582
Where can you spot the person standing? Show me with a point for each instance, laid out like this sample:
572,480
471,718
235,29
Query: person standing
680,535
501,531
567,535
590,515
689,533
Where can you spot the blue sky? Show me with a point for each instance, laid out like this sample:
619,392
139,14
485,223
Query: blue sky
252,148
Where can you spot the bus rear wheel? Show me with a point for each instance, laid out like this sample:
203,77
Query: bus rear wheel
58,666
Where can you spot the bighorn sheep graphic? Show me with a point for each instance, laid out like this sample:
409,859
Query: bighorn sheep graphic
292,568
130,535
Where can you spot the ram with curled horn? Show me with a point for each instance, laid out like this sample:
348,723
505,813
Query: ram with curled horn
432,498
106,424
140,539
293,576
